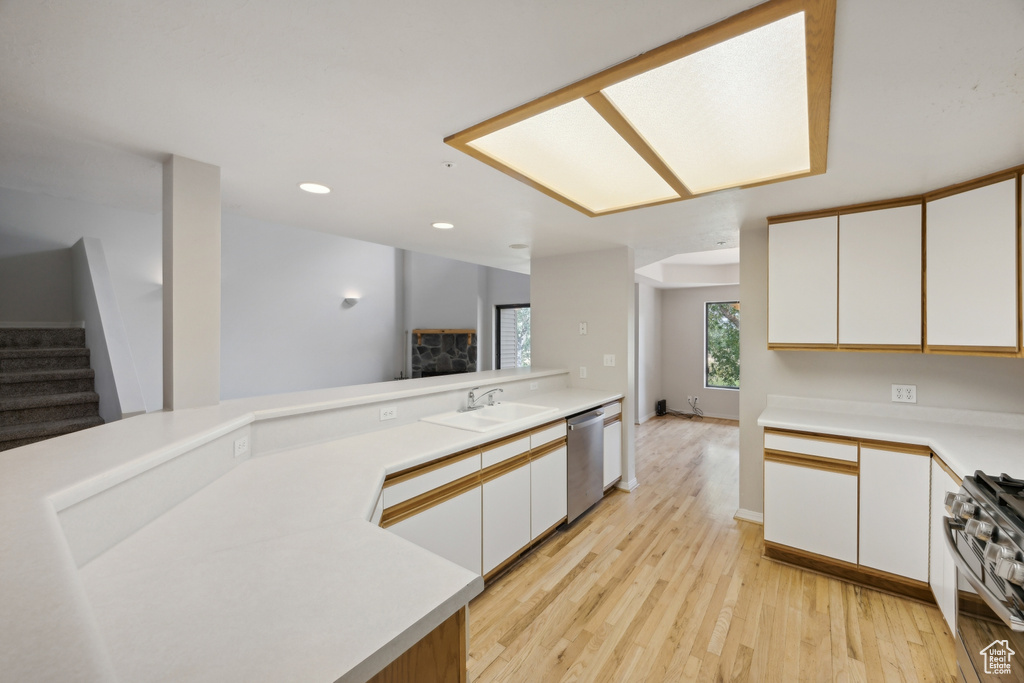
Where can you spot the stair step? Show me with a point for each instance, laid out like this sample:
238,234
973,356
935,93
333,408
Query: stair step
22,435
41,337
20,410
36,382
19,360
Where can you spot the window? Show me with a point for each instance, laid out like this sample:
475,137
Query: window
722,345
512,340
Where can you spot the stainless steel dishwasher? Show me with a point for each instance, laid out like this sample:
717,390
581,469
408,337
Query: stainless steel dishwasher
585,462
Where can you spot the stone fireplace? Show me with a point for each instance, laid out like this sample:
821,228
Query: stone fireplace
443,352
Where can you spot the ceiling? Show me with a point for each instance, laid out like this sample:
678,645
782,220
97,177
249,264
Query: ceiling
359,96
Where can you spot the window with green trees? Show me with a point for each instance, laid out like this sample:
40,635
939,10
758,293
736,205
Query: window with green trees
722,345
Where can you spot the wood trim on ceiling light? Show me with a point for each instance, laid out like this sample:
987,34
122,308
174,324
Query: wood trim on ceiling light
819,40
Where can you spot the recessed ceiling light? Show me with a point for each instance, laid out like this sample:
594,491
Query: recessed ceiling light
315,188
519,246
443,226
740,103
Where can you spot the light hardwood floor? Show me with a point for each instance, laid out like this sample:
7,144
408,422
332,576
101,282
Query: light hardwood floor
662,584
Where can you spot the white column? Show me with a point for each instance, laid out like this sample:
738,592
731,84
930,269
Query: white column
191,258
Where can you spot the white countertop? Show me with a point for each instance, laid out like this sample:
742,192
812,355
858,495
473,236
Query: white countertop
271,572
966,440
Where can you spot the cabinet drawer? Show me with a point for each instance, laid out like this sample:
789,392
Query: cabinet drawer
612,409
503,450
547,434
835,449
413,484
811,509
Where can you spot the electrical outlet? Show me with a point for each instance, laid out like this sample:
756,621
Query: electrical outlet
533,386
241,446
904,393
388,413
583,372
609,359
583,328
689,399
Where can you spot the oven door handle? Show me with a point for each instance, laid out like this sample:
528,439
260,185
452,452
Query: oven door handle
1009,618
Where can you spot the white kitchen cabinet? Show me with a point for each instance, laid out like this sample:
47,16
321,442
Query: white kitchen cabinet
880,277
894,502
506,516
548,497
450,529
942,570
811,509
971,255
803,278
612,451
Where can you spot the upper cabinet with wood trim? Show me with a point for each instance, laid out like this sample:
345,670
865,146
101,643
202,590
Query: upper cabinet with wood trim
880,278
972,270
803,283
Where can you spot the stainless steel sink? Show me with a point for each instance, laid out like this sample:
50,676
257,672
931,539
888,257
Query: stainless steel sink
488,418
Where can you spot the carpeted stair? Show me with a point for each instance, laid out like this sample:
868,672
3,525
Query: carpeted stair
46,385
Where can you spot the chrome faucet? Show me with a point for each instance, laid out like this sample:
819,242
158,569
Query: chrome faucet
472,403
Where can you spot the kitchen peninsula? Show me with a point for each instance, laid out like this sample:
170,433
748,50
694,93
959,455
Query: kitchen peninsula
147,550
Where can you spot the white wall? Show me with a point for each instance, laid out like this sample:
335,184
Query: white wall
682,351
283,327
994,384
649,350
596,288
35,280
37,224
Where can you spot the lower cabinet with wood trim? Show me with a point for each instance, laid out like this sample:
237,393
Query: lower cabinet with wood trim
856,509
506,513
451,529
484,507
612,444
549,500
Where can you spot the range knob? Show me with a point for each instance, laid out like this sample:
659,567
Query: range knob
964,510
995,552
981,530
952,499
1010,570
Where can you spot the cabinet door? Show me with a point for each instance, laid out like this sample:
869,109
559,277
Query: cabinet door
803,281
612,453
506,516
811,509
894,501
547,491
971,256
942,570
450,529
880,277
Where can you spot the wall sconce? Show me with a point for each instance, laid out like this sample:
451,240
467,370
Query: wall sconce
349,301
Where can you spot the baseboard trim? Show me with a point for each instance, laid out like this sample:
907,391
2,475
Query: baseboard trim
749,516
645,418
851,573
627,485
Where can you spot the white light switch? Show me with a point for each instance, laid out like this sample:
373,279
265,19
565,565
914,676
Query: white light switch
609,359
583,328
583,372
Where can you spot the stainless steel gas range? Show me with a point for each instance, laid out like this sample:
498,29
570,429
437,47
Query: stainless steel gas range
986,538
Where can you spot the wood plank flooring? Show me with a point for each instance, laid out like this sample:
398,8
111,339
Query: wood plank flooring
662,584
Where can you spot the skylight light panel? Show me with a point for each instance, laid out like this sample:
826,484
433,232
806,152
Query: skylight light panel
732,114
573,151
